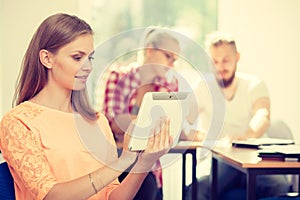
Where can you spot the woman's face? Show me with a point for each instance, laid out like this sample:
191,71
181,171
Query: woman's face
72,64
162,58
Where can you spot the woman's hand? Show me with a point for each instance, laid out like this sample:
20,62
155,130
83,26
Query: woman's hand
159,143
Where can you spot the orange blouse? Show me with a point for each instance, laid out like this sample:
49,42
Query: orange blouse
44,146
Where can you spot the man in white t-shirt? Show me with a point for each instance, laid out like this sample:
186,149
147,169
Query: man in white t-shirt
246,106
246,115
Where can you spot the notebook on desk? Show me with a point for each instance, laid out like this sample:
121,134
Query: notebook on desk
257,143
281,152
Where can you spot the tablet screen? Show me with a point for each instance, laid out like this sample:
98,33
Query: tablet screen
154,106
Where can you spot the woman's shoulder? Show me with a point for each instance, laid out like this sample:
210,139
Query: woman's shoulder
24,111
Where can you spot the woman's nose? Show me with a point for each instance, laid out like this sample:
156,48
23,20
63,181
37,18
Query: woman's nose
87,65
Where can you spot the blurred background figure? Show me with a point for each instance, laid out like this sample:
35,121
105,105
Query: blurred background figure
247,115
126,86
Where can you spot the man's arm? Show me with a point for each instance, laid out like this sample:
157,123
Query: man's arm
260,120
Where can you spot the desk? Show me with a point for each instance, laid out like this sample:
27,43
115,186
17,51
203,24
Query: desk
185,148
247,161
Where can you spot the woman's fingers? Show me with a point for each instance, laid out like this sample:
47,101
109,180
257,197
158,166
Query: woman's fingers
158,145
161,141
165,133
151,141
168,140
160,136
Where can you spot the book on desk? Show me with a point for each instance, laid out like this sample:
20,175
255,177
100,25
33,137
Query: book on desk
258,143
280,152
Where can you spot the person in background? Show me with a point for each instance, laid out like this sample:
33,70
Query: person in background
55,144
125,90
247,115
123,97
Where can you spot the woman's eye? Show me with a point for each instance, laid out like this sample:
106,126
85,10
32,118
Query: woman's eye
77,58
91,58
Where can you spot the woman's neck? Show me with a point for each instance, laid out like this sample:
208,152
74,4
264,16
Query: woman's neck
53,99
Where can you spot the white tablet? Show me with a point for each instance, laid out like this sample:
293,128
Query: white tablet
154,106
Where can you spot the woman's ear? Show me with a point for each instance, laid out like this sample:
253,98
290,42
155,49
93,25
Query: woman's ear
45,58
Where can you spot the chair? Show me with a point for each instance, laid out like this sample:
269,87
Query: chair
279,129
7,191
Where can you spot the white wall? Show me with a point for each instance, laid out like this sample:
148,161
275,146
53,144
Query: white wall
267,33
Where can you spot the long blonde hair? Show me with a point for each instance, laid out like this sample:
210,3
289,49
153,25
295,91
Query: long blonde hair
53,33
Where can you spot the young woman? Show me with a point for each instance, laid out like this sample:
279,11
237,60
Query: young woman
55,144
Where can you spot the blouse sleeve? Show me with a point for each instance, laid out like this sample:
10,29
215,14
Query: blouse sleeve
25,156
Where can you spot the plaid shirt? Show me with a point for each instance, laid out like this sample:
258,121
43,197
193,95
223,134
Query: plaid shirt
121,88
120,98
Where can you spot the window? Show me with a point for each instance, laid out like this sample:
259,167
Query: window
194,18
191,18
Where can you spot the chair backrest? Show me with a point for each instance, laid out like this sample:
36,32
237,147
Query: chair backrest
7,191
279,129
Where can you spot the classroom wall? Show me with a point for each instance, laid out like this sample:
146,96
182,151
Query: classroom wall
267,33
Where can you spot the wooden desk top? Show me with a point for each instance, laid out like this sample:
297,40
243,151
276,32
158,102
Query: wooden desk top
248,158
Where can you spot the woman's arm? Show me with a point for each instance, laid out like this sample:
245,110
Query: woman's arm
158,144
23,151
88,185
